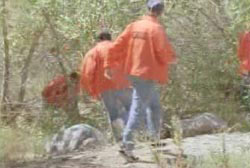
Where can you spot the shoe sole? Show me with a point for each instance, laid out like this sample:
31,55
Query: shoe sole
129,159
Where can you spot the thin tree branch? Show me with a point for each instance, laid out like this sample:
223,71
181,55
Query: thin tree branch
6,72
25,70
55,34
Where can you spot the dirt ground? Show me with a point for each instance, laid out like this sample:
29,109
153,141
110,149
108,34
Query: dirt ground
109,157
106,157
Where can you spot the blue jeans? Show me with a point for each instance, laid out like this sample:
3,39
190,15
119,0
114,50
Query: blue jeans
115,101
145,103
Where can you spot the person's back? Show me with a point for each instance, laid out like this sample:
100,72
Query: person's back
92,78
92,72
55,93
244,53
148,59
58,94
62,93
145,49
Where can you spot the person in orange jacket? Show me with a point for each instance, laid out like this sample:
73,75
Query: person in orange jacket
115,93
244,59
145,51
244,53
59,95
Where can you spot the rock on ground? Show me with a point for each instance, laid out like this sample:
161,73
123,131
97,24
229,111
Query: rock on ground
77,137
202,124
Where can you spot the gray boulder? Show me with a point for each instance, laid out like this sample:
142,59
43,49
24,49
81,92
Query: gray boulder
202,124
77,137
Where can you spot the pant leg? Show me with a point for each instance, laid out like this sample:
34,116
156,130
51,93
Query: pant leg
125,98
112,105
110,102
154,114
141,97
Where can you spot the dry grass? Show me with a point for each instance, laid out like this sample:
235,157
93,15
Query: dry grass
240,160
18,145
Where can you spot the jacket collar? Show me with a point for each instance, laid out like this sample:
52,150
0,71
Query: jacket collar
150,18
104,42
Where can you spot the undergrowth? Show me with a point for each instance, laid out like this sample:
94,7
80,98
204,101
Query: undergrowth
19,145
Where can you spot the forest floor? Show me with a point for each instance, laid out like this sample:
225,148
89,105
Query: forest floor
109,157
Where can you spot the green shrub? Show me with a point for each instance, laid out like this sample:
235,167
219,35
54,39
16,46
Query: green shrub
18,145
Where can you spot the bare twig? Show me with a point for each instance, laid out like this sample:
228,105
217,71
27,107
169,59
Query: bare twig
216,25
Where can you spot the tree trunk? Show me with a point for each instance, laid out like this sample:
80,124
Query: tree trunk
25,70
6,70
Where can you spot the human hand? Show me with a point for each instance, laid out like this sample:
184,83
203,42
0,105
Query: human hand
108,73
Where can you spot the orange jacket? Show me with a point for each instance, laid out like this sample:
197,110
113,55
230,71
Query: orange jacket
56,92
244,52
92,72
144,49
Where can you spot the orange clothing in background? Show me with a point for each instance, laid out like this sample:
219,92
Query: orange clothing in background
244,52
92,72
144,49
56,92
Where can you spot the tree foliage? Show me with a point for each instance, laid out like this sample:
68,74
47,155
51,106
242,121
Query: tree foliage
204,35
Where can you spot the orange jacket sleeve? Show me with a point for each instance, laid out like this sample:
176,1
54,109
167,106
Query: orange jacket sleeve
244,52
88,73
163,49
118,49
242,47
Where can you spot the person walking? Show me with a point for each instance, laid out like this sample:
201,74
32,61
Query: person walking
145,51
115,93
244,53
244,60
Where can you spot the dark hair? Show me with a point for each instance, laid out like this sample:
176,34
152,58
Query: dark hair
74,75
157,9
104,35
